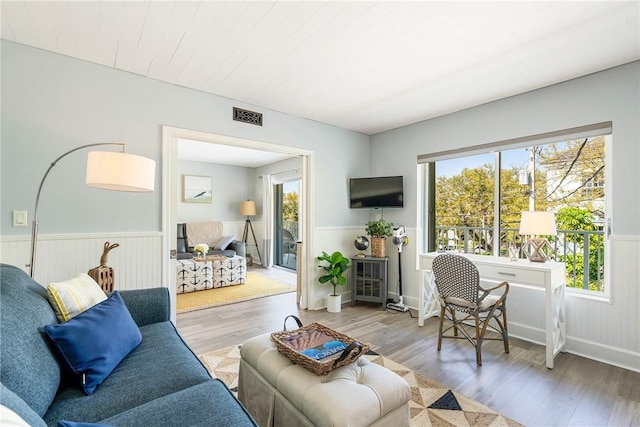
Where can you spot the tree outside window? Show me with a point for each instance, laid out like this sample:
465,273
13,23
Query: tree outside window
566,178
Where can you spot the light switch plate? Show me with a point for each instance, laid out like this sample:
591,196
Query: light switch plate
19,218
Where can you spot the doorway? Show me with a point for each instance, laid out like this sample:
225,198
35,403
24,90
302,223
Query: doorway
170,196
286,224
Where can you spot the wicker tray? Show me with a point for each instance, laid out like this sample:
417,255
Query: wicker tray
210,258
283,342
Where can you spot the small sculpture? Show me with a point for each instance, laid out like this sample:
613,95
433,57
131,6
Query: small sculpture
362,244
102,274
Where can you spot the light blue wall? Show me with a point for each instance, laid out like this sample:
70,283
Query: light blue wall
52,103
230,185
611,95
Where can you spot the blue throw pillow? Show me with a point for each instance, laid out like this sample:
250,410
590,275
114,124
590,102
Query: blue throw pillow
95,341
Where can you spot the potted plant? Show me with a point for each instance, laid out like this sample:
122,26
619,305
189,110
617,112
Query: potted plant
335,265
378,231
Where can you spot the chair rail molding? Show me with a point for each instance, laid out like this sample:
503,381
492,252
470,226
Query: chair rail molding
136,262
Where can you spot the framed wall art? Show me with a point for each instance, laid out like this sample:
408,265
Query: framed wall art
196,189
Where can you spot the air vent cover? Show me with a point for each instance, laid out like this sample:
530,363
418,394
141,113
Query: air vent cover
247,116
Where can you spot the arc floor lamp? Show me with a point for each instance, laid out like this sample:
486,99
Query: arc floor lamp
109,170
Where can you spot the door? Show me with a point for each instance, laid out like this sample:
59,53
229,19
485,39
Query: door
286,205
170,195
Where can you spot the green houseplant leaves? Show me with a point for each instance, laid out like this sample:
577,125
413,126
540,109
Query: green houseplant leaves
335,266
379,228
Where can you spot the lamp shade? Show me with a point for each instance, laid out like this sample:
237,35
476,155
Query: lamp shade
120,171
248,208
538,223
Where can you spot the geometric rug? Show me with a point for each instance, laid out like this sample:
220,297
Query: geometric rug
256,286
432,404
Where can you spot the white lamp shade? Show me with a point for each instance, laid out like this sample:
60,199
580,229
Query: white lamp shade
248,208
538,223
120,171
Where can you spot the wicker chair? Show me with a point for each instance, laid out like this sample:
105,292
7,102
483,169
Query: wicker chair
458,283
288,244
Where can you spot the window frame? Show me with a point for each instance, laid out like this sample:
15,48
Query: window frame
427,181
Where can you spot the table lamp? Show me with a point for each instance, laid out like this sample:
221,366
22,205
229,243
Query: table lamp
108,170
248,208
537,223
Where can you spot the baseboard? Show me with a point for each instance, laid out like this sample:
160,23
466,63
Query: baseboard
590,350
526,333
606,354
587,349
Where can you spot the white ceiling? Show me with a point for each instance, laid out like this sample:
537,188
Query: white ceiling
199,151
365,66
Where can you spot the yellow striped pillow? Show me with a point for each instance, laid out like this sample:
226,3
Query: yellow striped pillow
72,297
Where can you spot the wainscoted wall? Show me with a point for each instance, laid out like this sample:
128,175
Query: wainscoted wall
330,240
596,329
137,262
608,331
341,239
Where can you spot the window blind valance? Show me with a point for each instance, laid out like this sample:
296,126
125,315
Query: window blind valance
603,128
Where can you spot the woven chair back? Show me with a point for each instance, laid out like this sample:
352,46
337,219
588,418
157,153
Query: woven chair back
456,277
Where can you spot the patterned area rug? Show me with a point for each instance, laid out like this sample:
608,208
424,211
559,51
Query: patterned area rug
432,404
257,286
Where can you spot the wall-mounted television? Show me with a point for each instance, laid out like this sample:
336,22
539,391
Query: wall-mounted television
376,192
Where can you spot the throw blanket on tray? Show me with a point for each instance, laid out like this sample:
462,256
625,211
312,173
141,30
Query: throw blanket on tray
203,232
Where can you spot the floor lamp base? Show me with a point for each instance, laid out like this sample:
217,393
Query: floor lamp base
245,235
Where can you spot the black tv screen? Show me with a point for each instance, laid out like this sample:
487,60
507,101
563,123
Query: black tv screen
376,192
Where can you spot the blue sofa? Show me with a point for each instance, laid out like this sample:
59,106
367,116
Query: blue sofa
160,383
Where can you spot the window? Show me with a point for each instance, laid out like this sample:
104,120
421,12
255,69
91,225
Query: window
464,202
565,177
286,226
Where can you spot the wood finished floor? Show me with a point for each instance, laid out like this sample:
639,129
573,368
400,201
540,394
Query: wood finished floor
578,392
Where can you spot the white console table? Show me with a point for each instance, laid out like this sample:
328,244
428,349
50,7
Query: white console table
535,304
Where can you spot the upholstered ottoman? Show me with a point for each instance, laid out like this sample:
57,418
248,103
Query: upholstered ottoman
229,271
193,276
212,272
277,392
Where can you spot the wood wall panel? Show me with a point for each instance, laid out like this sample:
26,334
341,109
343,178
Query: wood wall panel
608,331
137,262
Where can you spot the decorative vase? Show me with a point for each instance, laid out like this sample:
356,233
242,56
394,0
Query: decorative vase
514,252
334,303
378,247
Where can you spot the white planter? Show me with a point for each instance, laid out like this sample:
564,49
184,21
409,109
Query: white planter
334,303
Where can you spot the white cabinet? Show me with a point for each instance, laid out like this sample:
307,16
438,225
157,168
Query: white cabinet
535,304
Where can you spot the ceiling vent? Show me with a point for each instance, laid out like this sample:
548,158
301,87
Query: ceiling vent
247,116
